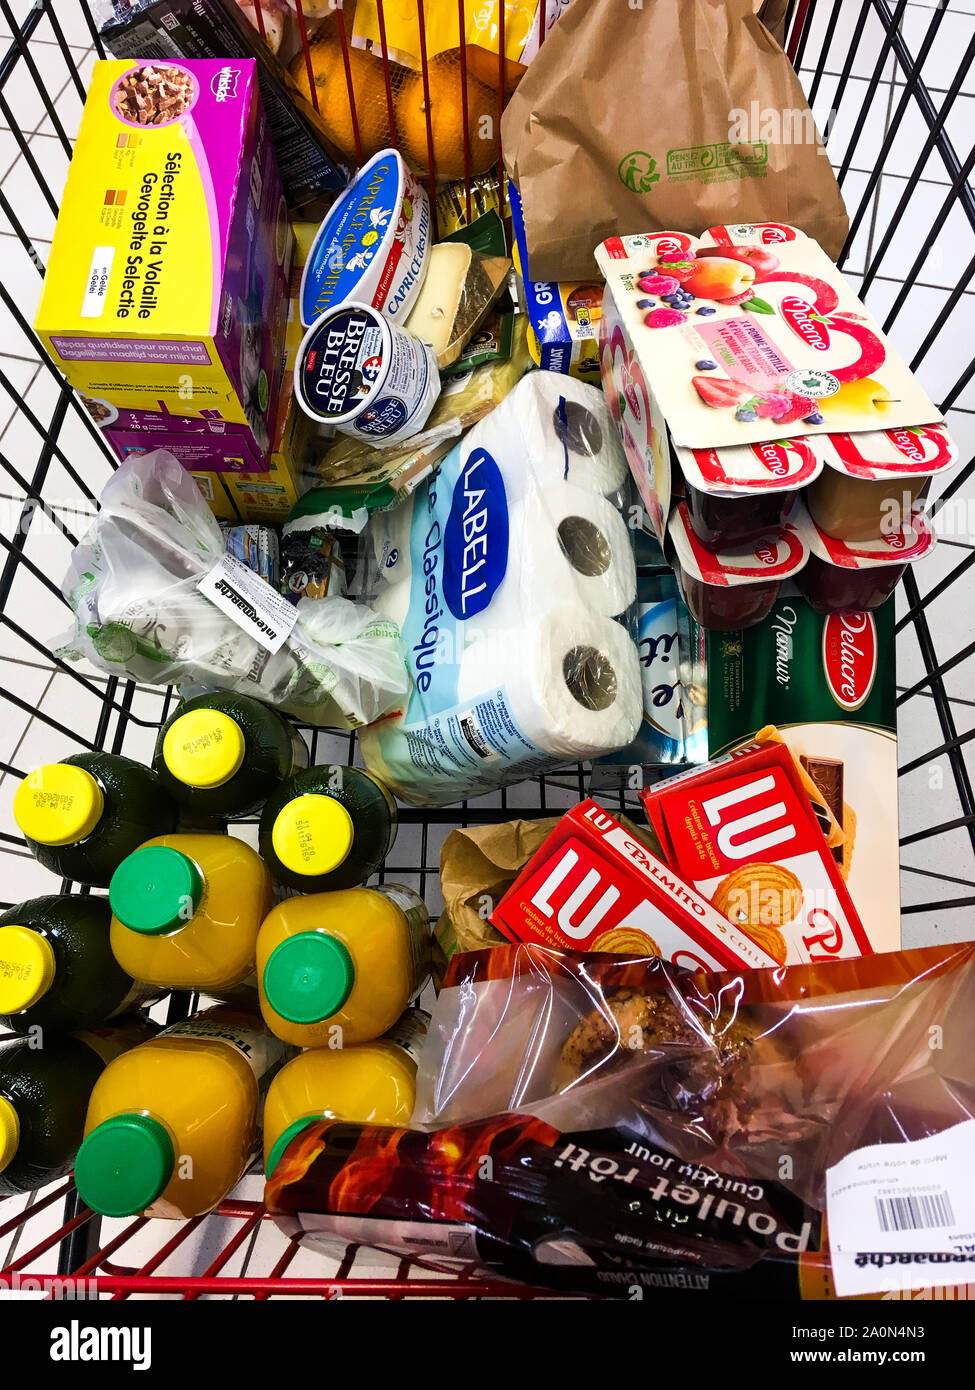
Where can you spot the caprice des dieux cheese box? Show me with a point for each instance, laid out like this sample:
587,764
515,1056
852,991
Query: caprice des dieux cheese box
171,255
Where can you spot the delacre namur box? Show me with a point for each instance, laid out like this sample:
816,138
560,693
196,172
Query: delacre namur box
170,261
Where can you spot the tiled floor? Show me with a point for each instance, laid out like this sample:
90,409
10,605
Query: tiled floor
41,99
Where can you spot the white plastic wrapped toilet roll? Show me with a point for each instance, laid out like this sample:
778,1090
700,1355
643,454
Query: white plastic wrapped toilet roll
393,600
566,546
572,681
574,541
390,539
591,453
569,688
550,429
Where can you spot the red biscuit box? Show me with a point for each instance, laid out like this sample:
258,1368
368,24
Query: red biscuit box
591,879
743,831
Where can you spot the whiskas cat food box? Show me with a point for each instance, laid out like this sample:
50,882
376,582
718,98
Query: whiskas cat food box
171,257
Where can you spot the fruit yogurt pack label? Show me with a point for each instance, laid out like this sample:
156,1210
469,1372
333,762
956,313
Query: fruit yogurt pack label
746,343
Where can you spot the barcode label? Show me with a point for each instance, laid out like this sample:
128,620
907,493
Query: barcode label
96,286
148,41
923,1211
471,731
902,1215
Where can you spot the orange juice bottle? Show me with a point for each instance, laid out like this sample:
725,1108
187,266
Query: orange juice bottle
172,1125
370,1083
187,909
340,968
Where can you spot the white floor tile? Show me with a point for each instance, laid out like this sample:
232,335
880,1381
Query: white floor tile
24,93
857,99
857,195
19,373
953,248
20,10
23,877
69,102
912,132
857,27
16,340
950,353
23,189
22,444
73,25
23,684
954,35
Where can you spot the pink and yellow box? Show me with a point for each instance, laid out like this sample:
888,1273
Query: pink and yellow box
168,274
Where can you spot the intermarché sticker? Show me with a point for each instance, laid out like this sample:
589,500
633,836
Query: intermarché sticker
640,172
251,602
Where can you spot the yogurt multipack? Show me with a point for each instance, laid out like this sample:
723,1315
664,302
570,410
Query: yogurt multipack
744,337
857,487
734,588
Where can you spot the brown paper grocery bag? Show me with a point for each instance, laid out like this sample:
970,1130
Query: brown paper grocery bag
666,115
478,864
774,14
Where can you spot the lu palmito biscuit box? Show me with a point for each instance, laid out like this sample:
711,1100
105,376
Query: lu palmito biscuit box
745,833
592,886
170,261
827,683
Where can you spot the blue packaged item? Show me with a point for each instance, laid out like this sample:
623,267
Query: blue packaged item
256,547
510,573
661,738
564,317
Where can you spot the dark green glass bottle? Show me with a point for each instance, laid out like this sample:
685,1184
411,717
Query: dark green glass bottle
83,815
223,754
326,828
44,1092
57,971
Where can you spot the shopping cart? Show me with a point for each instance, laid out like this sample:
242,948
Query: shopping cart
894,88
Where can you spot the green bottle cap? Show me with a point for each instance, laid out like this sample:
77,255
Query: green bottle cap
308,977
155,890
124,1165
285,1138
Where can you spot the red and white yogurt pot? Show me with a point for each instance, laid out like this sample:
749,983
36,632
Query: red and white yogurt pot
738,494
873,480
855,577
738,587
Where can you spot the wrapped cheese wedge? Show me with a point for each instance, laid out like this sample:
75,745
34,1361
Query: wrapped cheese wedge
459,288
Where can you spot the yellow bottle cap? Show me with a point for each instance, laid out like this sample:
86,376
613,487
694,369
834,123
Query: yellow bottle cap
27,968
58,804
9,1132
312,834
204,748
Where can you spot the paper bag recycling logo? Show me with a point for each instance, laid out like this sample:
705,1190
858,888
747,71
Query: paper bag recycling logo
638,171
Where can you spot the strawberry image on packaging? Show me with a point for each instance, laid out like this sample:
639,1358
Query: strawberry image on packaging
743,831
592,886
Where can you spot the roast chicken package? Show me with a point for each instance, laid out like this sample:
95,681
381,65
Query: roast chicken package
609,1124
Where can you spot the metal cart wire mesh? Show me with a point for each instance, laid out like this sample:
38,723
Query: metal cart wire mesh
893,86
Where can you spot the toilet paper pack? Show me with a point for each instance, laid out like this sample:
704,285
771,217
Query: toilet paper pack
510,571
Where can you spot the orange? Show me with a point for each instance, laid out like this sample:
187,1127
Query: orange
447,120
483,65
331,88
